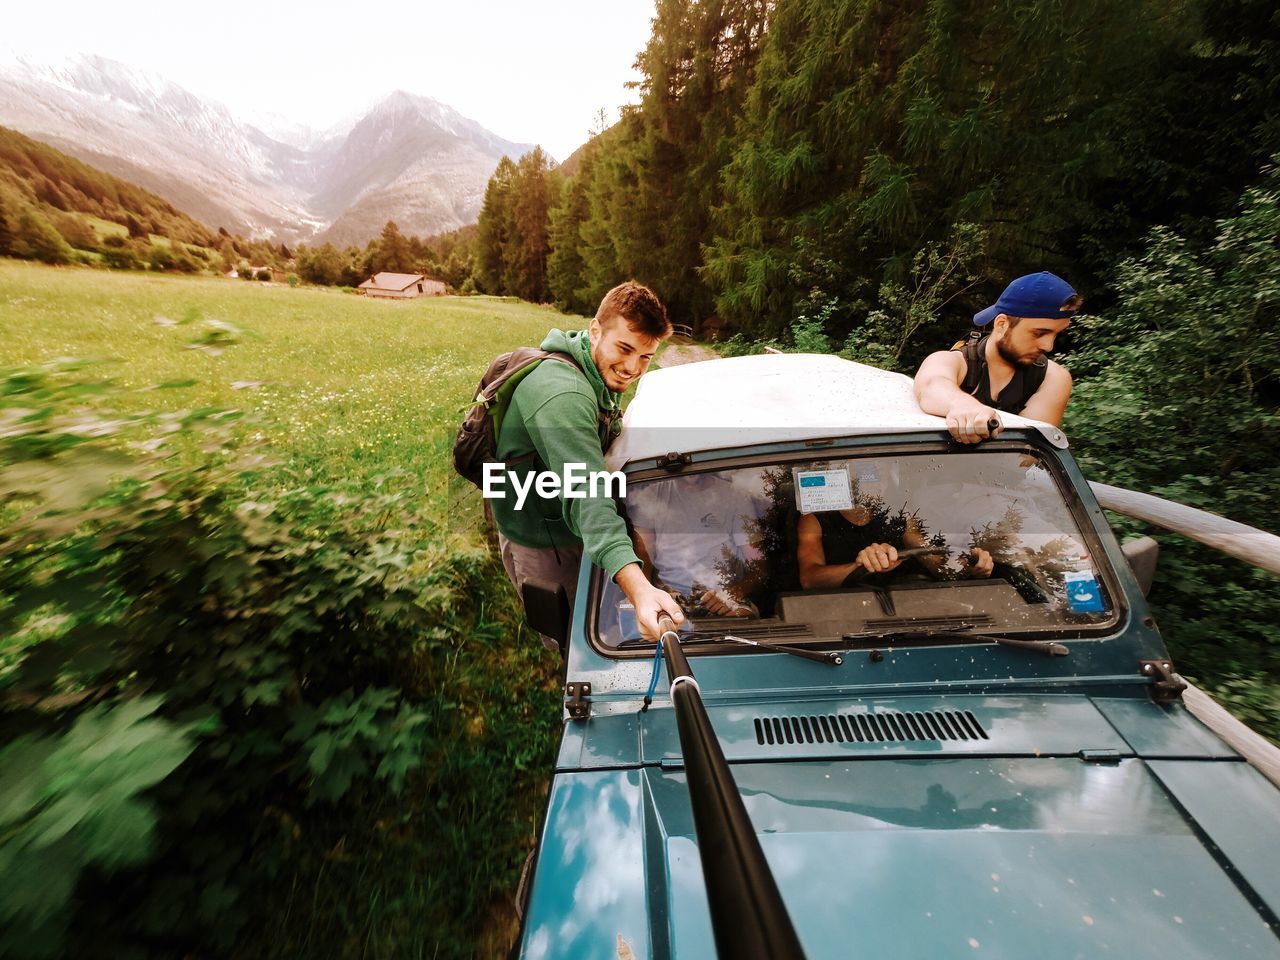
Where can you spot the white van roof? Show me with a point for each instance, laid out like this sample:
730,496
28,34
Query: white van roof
771,398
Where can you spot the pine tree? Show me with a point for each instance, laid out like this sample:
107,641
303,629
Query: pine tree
603,185
392,253
565,266
657,172
494,228
525,254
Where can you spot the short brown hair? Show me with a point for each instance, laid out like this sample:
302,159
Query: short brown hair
639,307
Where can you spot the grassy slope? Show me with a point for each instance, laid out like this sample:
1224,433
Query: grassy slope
27,164
356,393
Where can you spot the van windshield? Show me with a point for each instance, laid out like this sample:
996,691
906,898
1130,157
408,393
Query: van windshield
858,545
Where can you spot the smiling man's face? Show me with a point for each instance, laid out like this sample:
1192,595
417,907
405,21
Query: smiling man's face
620,353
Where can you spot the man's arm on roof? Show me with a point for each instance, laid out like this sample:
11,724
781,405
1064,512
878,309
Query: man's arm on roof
937,388
937,382
1049,403
564,430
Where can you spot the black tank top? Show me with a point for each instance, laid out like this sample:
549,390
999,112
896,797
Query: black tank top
977,379
843,540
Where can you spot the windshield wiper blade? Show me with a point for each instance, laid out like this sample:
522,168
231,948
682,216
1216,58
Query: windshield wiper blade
821,656
698,638
1049,648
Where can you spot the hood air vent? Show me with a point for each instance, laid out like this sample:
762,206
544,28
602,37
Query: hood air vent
889,726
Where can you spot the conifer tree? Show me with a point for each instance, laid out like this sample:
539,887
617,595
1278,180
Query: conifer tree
525,254
656,174
565,266
494,227
606,223
393,254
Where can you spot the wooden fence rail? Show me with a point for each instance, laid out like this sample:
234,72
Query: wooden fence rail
1237,540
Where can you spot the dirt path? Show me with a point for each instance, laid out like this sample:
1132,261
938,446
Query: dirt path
675,355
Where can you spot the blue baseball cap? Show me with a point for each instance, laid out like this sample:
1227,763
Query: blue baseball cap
1037,295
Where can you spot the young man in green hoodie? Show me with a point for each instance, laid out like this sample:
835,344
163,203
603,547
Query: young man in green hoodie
555,414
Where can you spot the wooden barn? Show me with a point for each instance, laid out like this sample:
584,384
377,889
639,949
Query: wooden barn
401,286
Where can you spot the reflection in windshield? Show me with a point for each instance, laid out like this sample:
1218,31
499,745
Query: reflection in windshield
823,548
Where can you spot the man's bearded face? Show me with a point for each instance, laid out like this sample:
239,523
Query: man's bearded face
1023,345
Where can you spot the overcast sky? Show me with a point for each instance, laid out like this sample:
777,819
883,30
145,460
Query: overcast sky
529,72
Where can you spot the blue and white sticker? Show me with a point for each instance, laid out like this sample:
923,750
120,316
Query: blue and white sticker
1083,593
819,490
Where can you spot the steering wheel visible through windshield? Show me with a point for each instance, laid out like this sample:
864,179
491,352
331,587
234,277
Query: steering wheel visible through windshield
863,544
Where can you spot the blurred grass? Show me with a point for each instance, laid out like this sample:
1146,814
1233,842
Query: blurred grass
351,395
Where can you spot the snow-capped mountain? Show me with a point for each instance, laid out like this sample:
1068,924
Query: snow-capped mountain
409,158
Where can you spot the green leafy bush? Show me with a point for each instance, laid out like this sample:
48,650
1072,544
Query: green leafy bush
269,665
71,801
1179,395
34,238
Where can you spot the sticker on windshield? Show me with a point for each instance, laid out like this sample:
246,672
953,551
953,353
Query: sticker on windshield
819,490
1083,593
868,479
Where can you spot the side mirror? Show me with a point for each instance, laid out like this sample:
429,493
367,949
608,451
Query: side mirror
547,610
1142,555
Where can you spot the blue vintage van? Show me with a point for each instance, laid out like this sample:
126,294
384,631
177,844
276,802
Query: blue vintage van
981,752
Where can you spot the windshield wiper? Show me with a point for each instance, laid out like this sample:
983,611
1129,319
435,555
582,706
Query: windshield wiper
960,632
698,638
821,656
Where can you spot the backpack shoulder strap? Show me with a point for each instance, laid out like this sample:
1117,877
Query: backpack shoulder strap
973,351
1034,377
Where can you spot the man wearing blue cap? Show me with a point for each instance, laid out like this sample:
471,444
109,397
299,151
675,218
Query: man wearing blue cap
1008,368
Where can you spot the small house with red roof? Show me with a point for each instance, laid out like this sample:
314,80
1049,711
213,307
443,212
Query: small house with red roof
401,286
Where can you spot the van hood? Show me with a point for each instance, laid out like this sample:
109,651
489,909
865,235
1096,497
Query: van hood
944,856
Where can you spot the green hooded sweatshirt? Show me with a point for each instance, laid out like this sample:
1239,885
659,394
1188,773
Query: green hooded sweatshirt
553,413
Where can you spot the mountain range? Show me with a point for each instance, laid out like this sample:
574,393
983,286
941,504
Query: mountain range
409,158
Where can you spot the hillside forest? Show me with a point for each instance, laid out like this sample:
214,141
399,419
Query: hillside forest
58,210
861,176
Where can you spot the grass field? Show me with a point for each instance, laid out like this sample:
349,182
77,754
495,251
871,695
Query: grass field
353,395
345,387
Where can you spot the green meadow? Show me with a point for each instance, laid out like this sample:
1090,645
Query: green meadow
351,401
347,386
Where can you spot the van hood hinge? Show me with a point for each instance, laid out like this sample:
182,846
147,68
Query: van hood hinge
1167,686
578,702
